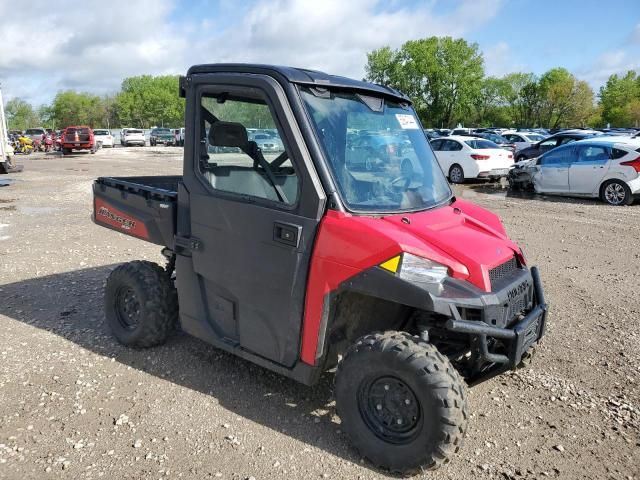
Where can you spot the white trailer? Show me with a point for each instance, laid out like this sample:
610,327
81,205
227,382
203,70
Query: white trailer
6,150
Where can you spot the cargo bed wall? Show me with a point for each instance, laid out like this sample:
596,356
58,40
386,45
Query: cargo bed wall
143,207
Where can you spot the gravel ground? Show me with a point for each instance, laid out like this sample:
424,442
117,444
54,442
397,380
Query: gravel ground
75,404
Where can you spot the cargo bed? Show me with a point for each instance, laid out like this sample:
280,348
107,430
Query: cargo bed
143,207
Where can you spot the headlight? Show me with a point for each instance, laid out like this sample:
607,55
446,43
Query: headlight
416,269
422,270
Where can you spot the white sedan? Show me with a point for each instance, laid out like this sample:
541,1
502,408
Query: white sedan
469,157
597,168
104,136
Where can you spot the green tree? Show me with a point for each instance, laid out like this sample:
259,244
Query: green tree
20,115
442,76
521,96
74,108
146,101
617,98
490,107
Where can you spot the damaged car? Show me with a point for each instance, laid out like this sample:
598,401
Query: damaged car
597,168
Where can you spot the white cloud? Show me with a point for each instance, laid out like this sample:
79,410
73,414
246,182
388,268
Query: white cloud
607,64
498,60
94,50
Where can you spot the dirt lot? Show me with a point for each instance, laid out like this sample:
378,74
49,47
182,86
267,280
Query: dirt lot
75,404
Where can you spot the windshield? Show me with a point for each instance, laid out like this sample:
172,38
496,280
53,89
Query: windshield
481,144
163,130
378,154
534,137
494,137
135,132
101,132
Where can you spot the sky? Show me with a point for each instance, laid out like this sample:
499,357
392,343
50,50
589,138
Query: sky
92,47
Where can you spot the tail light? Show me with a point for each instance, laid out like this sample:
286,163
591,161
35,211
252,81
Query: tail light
476,156
633,163
510,156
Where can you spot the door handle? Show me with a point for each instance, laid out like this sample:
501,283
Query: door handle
287,233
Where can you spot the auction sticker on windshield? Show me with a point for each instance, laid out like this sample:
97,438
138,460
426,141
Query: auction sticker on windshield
407,122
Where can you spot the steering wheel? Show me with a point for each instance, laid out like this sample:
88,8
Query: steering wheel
406,174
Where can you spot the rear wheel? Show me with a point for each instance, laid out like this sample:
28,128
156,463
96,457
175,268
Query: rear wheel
616,192
141,304
401,402
520,158
456,174
66,151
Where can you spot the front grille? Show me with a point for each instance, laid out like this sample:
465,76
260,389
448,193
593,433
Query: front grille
504,270
518,305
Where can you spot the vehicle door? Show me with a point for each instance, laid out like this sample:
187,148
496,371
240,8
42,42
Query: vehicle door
453,154
438,149
591,163
553,170
247,226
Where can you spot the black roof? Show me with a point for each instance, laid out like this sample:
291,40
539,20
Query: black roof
299,76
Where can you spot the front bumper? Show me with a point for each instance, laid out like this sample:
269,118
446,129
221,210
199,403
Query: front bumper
518,338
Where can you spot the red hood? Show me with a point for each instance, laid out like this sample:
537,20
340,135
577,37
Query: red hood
468,239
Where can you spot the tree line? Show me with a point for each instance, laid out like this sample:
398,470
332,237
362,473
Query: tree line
445,79
142,102
443,76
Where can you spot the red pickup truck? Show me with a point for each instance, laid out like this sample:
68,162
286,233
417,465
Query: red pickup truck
77,138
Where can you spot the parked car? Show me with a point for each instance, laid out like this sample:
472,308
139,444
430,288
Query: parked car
35,134
498,139
463,157
267,142
162,136
550,143
103,137
431,134
371,150
78,138
132,136
594,168
462,131
522,139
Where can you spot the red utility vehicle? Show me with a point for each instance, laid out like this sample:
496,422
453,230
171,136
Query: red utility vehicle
300,261
77,138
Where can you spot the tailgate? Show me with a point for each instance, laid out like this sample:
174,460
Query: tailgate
143,207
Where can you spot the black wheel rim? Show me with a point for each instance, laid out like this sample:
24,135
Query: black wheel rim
127,308
390,409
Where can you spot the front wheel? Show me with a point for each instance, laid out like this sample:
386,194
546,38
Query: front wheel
616,192
401,402
141,304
